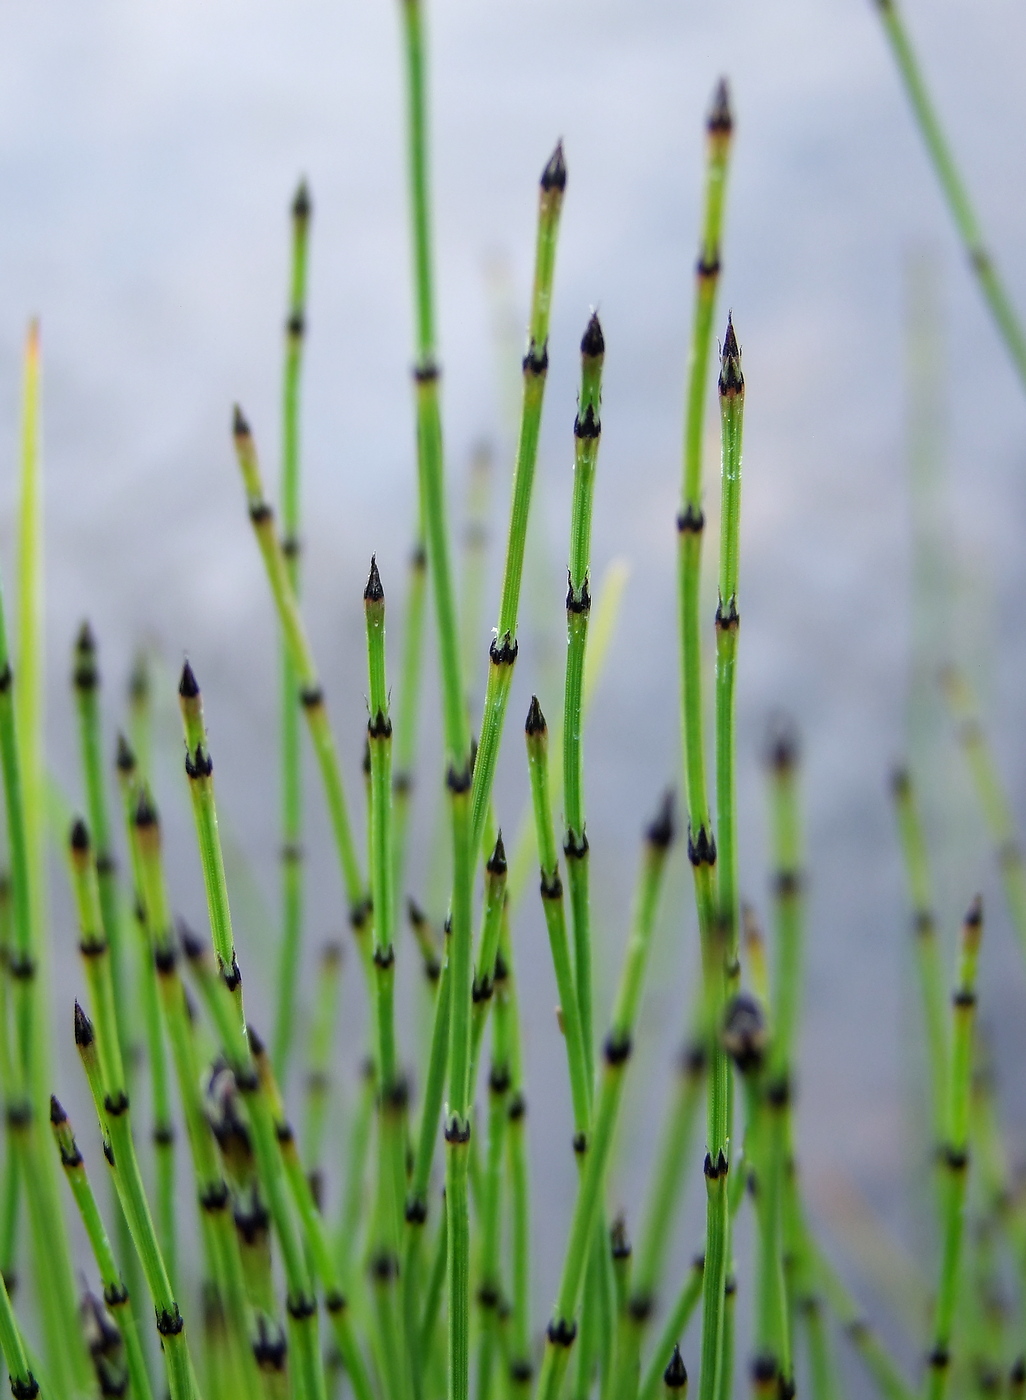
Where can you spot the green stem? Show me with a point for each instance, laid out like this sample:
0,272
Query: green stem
488,950
562,1327
291,754
673,1330
319,1058
995,294
889,1380
408,710
503,652
587,435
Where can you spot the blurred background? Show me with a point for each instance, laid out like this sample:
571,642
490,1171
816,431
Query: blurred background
148,156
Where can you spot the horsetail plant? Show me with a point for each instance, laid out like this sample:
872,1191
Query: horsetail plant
420,1302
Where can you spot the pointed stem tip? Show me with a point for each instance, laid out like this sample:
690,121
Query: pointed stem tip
554,174
240,424
675,1377
497,860
84,1033
79,836
535,719
374,593
301,205
593,343
125,756
85,642
732,381
188,686
662,830
721,119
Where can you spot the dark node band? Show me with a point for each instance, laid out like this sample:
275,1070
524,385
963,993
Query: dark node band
979,258
617,1049
517,1108
498,1079
92,947
115,1295
939,1359
578,604
488,1295
86,678
335,1302
19,1116
252,1224
956,1159
384,958
379,726
714,1170
457,1130
291,853
691,521
26,1389
778,1094
580,1144
482,990
108,1152
114,1105
397,1096
233,977
701,848
521,1371
384,1266
291,547
587,428
707,268
359,915
562,1332
301,1306
501,970
640,1307
164,1135
764,1369
269,1352
551,886
169,1324
535,364
6,677
295,325
922,923
458,780
573,848
214,1198
785,1388
164,959
70,1159
246,1080
402,784
260,513
727,618
317,1082
416,1211
22,967
105,864
311,696
427,374
199,765
283,1132
964,999
504,653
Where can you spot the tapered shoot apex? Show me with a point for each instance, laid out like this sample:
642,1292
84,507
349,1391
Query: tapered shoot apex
593,343
57,1113
85,643
662,830
415,913
554,174
675,1377
497,860
901,781
188,686
240,423
731,379
782,748
721,118
619,1241
125,756
84,1033
79,836
374,593
192,946
301,204
256,1044
139,680
535,719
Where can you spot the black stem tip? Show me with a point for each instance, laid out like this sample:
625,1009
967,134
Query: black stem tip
675,1377
301,204
240,424
732,381
721,119
84,1033
125,756
619,1240
535,719
662,830
593,343
554,174
374,593
79,837
57,1114
782,748
85,642
744,1032
256,1044
497,860
901,781
415,913
188,686
974,914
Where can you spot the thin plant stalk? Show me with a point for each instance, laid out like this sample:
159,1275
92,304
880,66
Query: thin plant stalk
518,1189
673,1329
112,1108
488,949
319,1057
23,1382
955,1155
701,842
587,435
888,1379
928,954
489,1293
503,652
562,1326
291,753
311,694
960,206
50,1247
407,710
475,555
115,1294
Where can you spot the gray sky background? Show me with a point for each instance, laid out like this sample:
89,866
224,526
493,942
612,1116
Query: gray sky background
147,157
